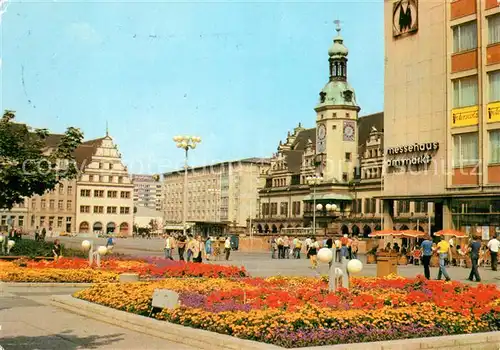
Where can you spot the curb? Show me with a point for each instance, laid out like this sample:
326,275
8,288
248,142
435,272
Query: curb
38,287
203,339
197,338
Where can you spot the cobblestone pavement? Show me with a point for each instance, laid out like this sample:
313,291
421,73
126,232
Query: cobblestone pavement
28,322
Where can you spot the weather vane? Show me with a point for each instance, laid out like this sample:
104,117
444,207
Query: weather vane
337,23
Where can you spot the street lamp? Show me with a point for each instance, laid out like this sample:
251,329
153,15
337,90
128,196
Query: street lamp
314,181
186,143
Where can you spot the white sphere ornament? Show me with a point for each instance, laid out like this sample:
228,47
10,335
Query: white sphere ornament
334,207
10,243
325,255
319,207
86,245
354,266
328,207
102,250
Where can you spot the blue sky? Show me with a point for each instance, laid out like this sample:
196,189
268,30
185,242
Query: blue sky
240,75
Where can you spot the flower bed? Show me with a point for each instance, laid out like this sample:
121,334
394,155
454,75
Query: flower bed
296,312
77,270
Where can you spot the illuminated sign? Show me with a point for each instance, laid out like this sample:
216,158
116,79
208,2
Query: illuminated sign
466,116
411,155
494,112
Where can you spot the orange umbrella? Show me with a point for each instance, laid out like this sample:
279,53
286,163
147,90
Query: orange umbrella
413,234
385,233
449,232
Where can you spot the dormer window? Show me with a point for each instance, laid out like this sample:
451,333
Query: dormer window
348,95
322,97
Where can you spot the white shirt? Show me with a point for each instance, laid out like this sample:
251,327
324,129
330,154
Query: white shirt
167,243
308,242
493,244
450,242
227,244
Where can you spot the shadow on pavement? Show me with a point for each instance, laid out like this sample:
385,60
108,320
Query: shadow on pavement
63,340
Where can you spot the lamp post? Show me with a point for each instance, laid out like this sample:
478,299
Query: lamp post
314,181
186,143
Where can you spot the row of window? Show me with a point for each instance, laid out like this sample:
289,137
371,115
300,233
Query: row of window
466,148
465,35
272,208
106,178
52,204
100,194
99,209
466,93
51,221
15,223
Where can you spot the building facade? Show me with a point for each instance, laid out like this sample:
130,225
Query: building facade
104,197
347,152
147,191
222,193
442,112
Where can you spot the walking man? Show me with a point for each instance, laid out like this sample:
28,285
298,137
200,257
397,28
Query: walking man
474,248
426,256
493,246
443,249
227,247
168,247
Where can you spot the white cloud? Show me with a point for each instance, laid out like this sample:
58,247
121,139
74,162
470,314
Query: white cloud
84,32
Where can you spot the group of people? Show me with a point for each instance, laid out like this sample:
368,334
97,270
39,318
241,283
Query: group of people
448,253
345,246
195,248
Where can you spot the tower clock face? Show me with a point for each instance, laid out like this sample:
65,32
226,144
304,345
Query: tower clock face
321,132
349,131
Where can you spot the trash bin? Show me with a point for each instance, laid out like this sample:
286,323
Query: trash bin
387,263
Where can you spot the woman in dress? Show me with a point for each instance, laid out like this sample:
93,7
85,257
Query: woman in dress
208,248
313,253
216,249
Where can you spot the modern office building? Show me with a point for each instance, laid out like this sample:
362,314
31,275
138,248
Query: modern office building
224,194
442,111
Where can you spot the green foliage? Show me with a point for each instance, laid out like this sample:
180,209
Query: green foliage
27,166
32,249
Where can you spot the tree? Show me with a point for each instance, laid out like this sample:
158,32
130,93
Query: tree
27,166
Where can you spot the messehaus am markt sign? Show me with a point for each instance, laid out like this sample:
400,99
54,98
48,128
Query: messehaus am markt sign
416,156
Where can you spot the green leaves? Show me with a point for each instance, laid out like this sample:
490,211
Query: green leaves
29,163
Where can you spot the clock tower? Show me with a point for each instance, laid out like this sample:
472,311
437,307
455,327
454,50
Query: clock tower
337,119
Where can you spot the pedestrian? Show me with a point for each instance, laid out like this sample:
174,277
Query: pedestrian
298,247
227,247
344,241
168,247
338,245
37,234
443,249
312,252
181,246
44,233
474,249
279,242
216,248
56,250
110,244
286,247
493,246
355,247
208,248
349,248
198,249
426,255
274,248
191,247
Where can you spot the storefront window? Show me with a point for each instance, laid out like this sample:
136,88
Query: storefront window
494,29
494,147
465,149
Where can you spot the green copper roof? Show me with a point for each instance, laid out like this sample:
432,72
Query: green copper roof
338,49
337,93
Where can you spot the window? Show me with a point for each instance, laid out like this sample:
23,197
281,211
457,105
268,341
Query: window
494,82
98,209
465,37
33,203
60,204
344,177
42,221
112,194
284,208
61,189
59,221
465,92
124,210
494,29
367,205
421,207
70,190
494,146
403,206
101,166
348,157
51,222
85,193
110,166
52,204
69,205
99,193
120,179
274,208
43,203
20,221
84,208
91,178
465,149
111,210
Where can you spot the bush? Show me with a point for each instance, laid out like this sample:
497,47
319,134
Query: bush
33,249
